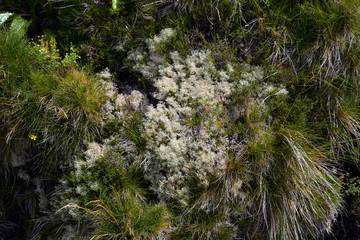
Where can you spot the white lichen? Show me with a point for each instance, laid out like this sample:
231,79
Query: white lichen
187,130
105,74
93,152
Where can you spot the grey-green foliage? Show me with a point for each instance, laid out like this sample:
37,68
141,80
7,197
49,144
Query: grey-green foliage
105,192
220,144
215,147
293,185
276,174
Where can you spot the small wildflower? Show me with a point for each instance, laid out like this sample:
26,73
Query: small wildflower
96,2
86,5
33,137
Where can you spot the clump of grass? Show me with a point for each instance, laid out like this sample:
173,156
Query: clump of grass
209,15
61,109
123,216
333,39
204,224
171,5
16,60
279,179
81,95
295,190
109,187
343,131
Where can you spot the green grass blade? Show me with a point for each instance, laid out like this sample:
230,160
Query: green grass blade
114,4
19,25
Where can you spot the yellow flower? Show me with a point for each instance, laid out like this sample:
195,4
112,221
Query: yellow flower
33,137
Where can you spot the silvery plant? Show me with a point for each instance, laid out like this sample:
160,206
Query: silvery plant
207,139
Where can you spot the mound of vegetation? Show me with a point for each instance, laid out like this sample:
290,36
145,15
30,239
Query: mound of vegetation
179,119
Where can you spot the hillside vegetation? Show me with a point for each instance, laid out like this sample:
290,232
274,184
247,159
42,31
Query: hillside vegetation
180,119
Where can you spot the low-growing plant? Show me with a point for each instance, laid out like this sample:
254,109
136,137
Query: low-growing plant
123,216
205,224
49,57
334,35
267,168
246,113
62,110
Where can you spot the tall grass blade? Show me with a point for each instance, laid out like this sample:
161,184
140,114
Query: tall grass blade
19,25
114,4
